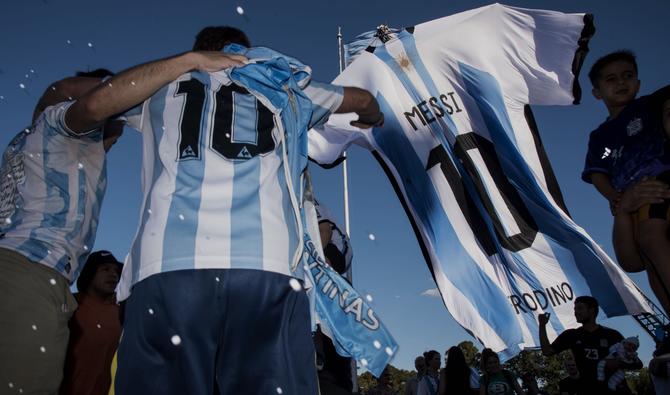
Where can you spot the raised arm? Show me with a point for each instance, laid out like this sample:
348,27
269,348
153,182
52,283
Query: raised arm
136,84
364,104
547,350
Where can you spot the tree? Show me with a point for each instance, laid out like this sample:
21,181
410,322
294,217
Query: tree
471,353
640,382
398,379
548,370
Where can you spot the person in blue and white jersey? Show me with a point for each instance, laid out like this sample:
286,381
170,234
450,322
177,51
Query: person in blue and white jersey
336,244
52,180
214,267
334,369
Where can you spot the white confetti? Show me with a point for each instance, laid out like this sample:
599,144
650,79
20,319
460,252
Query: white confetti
90,45
8,221
151,311
279,390
295,284
217,279
43,349
372,237
53,88
34,327
11,385
240,10
149,211
32,71
132,83
68,42
48,252
27,76
368,297
109,84
2,97
377,344
20,390
80,165
176,340
389,351
22,86
227,135
98,326
69,98
364,362
85,248
181,217
52,281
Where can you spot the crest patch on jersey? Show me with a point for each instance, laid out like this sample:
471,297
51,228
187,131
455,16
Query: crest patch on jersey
634,127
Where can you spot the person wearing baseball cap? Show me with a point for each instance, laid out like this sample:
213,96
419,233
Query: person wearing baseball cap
95,327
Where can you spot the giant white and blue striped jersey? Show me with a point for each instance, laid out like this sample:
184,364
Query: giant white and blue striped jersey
215,190
52,182
460,146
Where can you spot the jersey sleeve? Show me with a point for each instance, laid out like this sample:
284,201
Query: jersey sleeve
546,50
535,55
54,118
326,99
134,117
595,159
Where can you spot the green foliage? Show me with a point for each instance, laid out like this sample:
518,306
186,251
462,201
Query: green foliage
548,370
640,382
471,353
398,379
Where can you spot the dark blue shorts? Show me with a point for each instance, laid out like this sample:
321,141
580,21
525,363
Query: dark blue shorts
211,331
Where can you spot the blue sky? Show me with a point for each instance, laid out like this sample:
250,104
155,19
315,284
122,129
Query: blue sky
46,40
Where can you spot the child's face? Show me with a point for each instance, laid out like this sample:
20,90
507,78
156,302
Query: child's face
629,347
666,117
617,84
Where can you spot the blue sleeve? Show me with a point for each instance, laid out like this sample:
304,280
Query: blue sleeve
596,159
326,99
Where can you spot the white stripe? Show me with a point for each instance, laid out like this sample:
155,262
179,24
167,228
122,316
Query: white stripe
276,252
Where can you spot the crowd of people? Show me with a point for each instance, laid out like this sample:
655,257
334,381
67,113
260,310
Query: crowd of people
596,361
183,265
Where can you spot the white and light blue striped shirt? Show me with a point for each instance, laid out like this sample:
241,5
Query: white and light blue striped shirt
215,191
52,183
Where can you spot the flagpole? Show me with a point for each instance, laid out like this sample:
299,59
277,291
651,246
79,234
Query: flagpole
345,181
345,178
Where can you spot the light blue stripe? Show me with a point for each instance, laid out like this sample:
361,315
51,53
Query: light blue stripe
81,211
89,237
57,187
456,263
245,216
245,119
287,211
488,97
181,229
156,110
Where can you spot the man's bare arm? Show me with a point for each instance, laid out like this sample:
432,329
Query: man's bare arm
136,84
545,345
